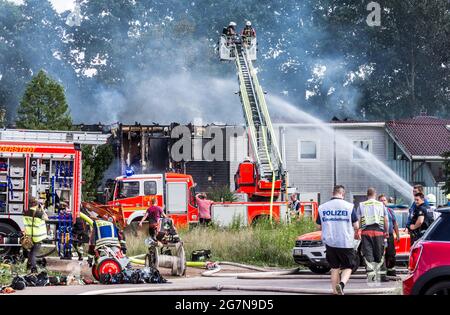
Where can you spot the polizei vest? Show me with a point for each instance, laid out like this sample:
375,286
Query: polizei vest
336,220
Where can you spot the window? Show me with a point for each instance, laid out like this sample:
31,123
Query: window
307,150
359,146
440,230
150,188
128,189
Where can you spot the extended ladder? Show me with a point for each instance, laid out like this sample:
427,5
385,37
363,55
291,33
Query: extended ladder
261,133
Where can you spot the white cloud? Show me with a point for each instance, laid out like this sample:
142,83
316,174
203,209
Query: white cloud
59,5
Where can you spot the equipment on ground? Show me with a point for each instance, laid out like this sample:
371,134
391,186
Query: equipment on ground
167,249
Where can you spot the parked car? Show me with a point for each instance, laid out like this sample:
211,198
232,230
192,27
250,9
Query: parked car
429,262
309,251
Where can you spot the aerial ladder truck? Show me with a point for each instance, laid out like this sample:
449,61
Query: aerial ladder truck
262,177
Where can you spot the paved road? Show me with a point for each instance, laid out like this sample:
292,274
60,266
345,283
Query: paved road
354,284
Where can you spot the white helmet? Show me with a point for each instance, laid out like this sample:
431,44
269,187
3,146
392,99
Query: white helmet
431,199
232,24
248,23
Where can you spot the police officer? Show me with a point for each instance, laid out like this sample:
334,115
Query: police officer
339,224
419,218
35,228
373,219
105,233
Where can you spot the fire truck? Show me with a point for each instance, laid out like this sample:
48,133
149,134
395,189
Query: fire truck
133,194
261,177
44,165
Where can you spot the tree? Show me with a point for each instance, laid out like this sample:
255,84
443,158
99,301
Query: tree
96,161
446,172
44,105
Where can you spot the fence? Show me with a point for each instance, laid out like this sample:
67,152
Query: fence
438,192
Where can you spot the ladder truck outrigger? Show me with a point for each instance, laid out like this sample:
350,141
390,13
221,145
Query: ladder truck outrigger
264,178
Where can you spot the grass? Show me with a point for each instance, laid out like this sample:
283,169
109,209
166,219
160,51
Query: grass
262,245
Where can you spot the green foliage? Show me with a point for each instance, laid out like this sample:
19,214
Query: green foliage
446,166
96,161
44,105
221,194
264,244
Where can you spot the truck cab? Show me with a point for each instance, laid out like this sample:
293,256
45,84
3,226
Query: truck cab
174,192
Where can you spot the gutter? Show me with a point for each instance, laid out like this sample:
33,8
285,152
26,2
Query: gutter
338,125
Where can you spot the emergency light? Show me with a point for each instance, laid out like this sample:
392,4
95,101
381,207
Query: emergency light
129,172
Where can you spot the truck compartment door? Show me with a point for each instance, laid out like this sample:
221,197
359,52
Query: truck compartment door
225,214
177,198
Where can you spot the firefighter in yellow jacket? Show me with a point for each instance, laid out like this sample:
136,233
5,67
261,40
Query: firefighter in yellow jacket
35,227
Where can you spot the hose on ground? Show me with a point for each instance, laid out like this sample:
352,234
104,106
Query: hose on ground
238,288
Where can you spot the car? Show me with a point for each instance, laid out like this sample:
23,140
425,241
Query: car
309,251
429,262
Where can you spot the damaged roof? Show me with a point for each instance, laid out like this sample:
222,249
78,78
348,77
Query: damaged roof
421,136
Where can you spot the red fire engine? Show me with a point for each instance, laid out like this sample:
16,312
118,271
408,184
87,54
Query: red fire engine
38,164
174,192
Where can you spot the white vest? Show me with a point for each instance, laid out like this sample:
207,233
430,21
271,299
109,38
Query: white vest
337,227
371,212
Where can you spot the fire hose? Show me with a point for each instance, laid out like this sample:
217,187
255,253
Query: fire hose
219,287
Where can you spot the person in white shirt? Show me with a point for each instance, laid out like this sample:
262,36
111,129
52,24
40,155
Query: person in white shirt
339,224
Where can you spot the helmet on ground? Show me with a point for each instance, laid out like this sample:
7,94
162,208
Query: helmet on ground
232,24
248,23
431,198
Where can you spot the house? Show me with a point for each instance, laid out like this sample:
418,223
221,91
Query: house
415,148
400,153
390,156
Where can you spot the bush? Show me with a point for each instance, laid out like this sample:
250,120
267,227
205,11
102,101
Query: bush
264,244
221,194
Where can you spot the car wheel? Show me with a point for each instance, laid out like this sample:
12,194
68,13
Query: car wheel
6,229
440,288
319,269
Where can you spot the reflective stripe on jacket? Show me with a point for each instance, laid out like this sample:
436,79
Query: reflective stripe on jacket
105,234
35,227
371,212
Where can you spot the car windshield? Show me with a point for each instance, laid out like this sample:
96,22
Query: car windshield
127,189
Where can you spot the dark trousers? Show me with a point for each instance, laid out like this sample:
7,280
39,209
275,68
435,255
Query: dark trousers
78,246
372,248
32,253
390,256
205,221
152,230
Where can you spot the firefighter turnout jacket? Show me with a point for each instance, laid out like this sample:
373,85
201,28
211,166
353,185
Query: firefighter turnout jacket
105,234
34,222
371,212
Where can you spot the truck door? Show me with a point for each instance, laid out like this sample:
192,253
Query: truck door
177,202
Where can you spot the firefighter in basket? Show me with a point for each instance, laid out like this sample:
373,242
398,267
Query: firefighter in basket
107,249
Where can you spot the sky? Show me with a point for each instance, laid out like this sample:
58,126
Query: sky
59,5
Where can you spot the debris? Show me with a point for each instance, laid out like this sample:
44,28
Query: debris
7,290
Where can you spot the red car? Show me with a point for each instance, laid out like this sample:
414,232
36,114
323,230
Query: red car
429,262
